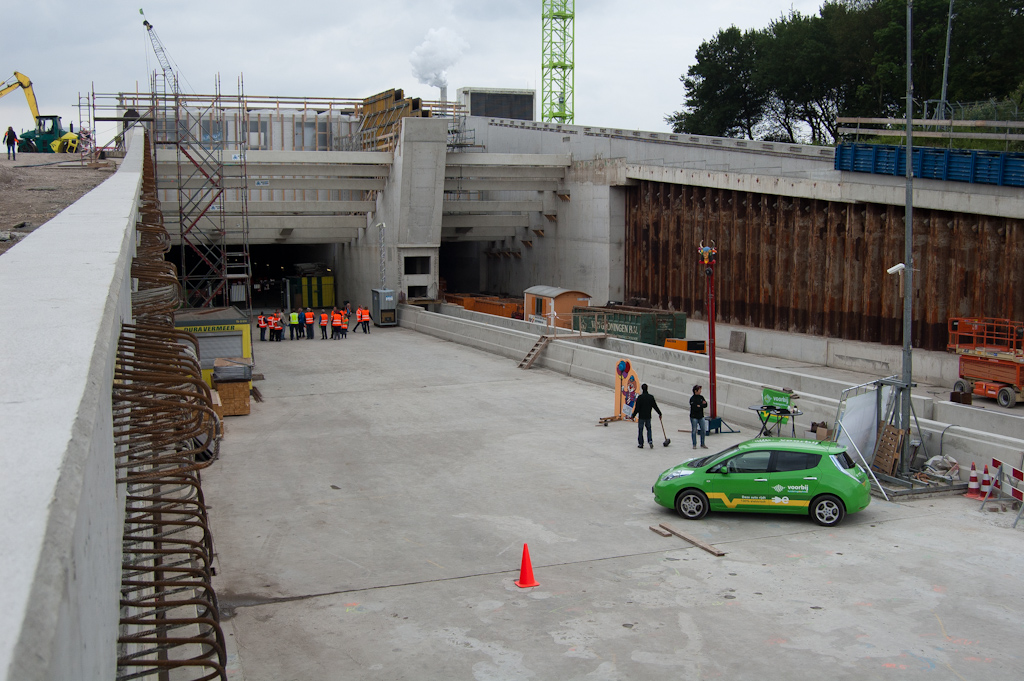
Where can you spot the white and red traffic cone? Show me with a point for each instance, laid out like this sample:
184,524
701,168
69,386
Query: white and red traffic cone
986,483
973,487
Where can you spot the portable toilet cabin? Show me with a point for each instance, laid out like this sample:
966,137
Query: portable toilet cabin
553,305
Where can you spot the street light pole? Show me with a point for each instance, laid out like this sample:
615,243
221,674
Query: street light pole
908,255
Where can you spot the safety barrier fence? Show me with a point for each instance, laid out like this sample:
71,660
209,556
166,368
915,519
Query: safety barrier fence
1013,479
165,432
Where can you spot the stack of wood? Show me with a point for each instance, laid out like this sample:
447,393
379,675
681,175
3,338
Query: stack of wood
234,397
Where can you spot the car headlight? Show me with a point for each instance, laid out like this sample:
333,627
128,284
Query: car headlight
672,475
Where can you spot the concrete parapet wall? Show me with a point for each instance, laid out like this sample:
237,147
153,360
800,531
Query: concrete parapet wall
940,368
671,375
61,512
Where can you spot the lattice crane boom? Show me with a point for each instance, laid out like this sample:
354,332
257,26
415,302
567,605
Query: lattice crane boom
558,18
160,51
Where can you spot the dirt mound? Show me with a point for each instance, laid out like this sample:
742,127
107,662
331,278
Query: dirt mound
6,175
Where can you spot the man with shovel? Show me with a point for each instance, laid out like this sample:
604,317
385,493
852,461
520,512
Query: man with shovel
642,410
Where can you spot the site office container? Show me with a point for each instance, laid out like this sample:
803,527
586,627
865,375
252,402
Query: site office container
553,305
640,324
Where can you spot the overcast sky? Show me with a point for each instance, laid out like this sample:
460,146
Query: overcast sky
629,55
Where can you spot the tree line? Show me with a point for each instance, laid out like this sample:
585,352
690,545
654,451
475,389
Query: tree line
788,82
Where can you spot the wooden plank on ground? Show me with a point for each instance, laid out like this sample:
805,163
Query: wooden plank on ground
658,530
693,540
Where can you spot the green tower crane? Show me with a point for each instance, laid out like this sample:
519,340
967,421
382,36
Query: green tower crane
557,57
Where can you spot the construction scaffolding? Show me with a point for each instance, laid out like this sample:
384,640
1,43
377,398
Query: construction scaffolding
214,255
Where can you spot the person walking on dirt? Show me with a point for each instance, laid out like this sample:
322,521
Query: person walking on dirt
697,421
645,403
11,140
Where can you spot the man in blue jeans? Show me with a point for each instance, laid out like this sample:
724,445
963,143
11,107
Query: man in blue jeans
642,410
697,421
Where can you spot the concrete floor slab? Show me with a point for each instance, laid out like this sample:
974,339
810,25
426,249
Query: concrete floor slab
369,518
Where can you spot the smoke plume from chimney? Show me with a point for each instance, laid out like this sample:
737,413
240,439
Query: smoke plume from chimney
438,52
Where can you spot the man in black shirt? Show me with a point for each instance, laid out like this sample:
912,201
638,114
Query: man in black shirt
697,421
642,410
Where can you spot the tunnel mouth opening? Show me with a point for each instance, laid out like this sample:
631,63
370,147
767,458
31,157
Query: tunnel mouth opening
461,266
281,274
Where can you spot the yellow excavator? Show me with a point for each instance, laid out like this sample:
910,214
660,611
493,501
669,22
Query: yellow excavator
49,135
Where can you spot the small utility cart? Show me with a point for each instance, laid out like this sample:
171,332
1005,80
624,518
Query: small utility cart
991,357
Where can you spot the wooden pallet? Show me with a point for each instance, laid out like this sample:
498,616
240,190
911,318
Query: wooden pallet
887,449
531,356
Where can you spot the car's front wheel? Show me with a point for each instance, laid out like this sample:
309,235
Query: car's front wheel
692,504
827,510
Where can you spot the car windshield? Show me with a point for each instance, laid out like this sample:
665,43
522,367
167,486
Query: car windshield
705,460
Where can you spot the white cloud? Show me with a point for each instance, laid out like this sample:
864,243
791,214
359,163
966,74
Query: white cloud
628,56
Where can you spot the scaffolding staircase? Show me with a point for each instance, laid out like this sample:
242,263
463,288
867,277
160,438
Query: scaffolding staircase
531,356
215,268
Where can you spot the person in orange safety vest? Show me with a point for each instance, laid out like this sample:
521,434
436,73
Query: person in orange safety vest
277,326
325,320
335,324
261,322
344,324
363,318
310,318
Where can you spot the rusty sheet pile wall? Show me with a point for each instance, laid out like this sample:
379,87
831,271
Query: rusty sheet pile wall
819,267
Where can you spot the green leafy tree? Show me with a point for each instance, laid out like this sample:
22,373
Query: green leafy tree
722,98
799,66
792,79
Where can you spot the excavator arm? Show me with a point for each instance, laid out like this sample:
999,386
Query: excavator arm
20,80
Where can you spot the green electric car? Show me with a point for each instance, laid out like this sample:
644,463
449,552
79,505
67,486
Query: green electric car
768,475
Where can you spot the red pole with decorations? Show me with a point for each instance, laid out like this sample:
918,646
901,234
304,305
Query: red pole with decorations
707,256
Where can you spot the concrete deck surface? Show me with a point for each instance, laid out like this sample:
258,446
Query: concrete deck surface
369,518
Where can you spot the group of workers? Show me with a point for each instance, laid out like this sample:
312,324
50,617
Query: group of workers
300,322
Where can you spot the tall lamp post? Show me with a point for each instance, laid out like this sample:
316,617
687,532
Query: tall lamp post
908,255
707,255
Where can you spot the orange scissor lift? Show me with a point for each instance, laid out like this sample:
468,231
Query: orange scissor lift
991,357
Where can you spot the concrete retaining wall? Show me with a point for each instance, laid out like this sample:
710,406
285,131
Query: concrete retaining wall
671,375
61,512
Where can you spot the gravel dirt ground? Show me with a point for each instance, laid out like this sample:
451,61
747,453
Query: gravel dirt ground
32,193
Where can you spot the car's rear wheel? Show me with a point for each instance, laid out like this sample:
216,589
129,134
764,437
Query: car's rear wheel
692,504
827,510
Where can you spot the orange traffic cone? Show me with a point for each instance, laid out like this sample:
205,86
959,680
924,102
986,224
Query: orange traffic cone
986,483
973,488
526,579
